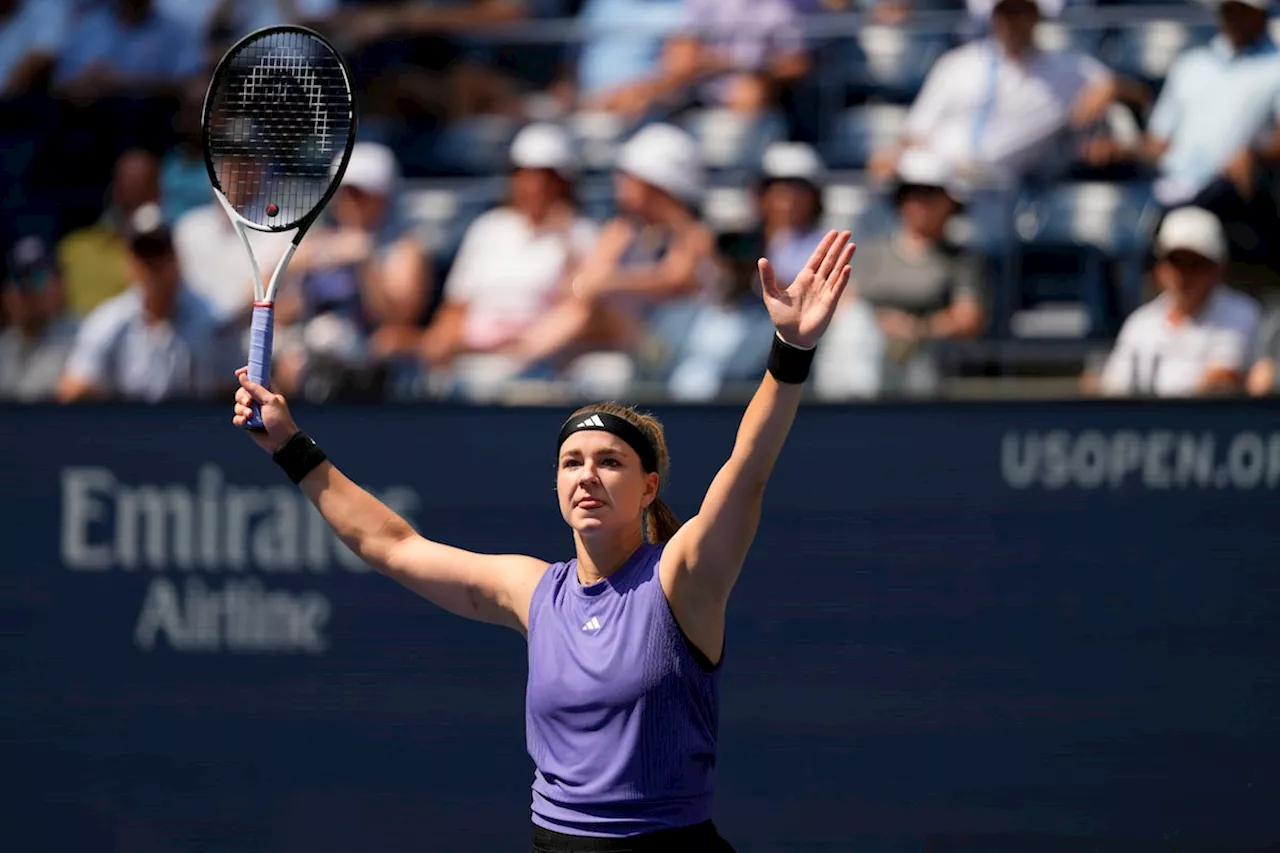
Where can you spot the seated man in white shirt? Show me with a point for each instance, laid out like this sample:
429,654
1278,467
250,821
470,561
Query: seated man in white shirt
1000,108
1195,338
1214,133
157,341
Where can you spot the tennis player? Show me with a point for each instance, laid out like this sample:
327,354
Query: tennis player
625,640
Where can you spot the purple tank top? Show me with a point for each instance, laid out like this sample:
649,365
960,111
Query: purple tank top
620,717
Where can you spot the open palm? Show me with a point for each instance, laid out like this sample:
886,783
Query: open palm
802,312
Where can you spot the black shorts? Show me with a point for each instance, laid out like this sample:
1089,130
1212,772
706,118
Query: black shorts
701,838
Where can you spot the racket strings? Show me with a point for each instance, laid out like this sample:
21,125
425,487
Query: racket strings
280,114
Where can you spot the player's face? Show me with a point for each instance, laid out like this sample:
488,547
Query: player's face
600,482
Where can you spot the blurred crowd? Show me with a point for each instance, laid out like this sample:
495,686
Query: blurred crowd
561,198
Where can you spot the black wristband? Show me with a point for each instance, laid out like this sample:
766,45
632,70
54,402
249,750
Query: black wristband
299,456
790,364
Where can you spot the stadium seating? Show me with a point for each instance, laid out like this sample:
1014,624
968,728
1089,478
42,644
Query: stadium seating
859,131
1147,49
1067,259
891,62
733,141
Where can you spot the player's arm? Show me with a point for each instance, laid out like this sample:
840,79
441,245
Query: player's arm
488,588
706,554
703,560
493,588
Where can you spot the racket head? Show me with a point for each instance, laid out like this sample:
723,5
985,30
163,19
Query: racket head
278,127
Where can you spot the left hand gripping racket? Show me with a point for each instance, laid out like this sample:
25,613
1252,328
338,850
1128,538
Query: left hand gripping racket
279,124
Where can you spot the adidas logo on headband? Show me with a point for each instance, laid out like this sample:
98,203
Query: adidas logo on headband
620,427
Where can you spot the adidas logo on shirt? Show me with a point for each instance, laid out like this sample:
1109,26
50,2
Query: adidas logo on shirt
594,420
593,624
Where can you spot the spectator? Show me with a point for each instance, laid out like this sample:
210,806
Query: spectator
1196,336
32,33
515,261
1264,378
738,54
730,338
35,344
360,282
232,19
1213,133
93,259
642,280
416,61
921,288
157,341
1000,109
791,208
127,47
622,52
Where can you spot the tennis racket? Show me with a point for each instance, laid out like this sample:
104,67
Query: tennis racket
279,123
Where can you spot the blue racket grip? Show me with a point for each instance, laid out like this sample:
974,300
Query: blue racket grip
260,355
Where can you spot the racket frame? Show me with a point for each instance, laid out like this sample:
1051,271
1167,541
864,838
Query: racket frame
263,323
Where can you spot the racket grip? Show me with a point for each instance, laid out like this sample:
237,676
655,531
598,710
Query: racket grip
260,355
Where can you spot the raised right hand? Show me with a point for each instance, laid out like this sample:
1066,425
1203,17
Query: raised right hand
275,413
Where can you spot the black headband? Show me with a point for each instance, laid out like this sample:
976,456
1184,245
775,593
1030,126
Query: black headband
620,427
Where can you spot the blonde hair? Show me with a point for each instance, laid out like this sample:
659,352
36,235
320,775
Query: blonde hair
661,523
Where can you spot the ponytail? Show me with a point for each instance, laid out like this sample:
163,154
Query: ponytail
660,522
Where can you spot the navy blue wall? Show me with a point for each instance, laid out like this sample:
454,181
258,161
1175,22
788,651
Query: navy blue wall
956,621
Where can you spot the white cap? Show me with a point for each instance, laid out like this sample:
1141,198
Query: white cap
1048,8
792,161
372,168
922,167
664,156
1192,229
544,146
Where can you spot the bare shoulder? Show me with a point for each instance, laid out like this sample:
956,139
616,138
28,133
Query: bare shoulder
518,576
515,574
521,569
